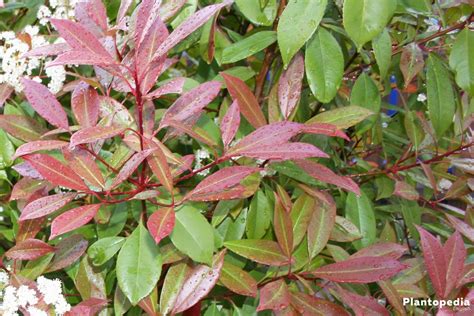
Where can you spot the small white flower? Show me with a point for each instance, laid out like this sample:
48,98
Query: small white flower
62,306
421,97
36,311
10,302
444,184
4,278
384,124
50,289
26,296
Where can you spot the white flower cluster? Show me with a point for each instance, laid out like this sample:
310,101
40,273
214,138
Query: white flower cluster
201,154
421,97
50,291
14,66
58,9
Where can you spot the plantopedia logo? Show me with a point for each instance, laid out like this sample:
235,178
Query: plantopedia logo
459,302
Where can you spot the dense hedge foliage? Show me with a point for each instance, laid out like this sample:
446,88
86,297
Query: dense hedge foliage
301,157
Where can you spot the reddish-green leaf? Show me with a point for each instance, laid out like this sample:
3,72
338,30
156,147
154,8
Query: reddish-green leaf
130,166
73,219
435,261
91,306
172,285
230,124
238,280
321,225
68,251
324,174
159,165
289,86
56,172
22,127
360,270
85,105
406,191
324,129
246,100
27,187
262,251
5,92
220,181
467,275
94,133
362,305
175,85
301,214
275,296
29,249
83,164
285,151
462,227
308,305
38,145
392,295
455,255
382,249
161,223
45,103
283,227
29,228
411,62
199,283
46,205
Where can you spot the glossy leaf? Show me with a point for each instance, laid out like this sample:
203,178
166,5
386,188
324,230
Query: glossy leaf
104,249
29,249
285,151
359,211
289,86
298,22
55,172
138,265
320,226
84,165
462,227
94,133
248,46
366,95
46,205
91,306
274,295
68,251
283,227
461,60
324,65
383,52
455,254
411,62
301,215
308,305
22,127
174,280
73,219
45,103
246,100
85,105
382,249
130,166
161,223
262,251
159,165
34,146
230,124
362,305
238,280
342,117
360,270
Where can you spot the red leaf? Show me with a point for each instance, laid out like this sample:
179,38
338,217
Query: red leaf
289,86
362,305
21,127
29,249
83,164
191,24
45,103
382,249
191,104
81,57
283,227
161,223
26,187
274,296
196,132
38,145
68,251
159,165
73,219
175,85
198,284
130,166
455,255
144,18
435,261
94,133
285,151
247,101
5,92
406,191
55,172
269,135
308,305
25,169
85,105
221,180
48,50
98,13
29,228
46,205
238,280
89,307
324,129
124,6
360,270
324,174
462,227
79,38
230,124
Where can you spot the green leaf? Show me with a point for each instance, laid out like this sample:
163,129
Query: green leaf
382,45
413,128
174,280
254,12
441,103
366,94
138,265
461,60
365,19
104,249
344,117
259,216
298,22
6,150
262,251
248,46
321,225
301,214
238,280
193,235
324,64
360,212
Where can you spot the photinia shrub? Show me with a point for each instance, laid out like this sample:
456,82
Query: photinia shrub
301,157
